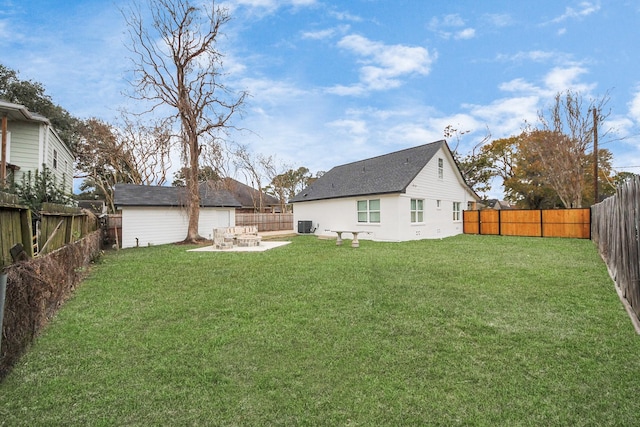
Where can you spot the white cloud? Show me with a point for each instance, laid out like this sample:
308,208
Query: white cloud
467,33
634,107
585,8
357,127
266,7
326,33
519,85
560,79
448,26
535,56
498,20
383,65
345,16
319,35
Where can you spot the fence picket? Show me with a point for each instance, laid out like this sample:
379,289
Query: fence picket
530,222
615,228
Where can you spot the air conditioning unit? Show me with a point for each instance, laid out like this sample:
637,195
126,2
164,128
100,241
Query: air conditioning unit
305,227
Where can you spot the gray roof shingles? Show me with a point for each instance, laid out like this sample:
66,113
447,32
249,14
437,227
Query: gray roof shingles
386,174
149,195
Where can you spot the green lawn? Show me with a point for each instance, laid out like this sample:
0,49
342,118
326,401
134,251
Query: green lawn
470,330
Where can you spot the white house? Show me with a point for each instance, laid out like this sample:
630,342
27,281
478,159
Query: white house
29,141
154,215
412,194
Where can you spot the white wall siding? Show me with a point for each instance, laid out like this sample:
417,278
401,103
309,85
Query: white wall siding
63,171
32,144
144,226
438,222
395,210
342,214
24,147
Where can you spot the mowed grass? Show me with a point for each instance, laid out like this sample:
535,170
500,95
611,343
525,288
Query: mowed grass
469,330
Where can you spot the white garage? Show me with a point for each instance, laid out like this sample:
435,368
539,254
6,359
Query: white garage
155,215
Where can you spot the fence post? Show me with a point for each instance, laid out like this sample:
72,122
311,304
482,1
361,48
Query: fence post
3,293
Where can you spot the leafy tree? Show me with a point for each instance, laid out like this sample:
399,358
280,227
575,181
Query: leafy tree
525,179
563,140
287,184
34,97
475,165
37,188
205,173
178,70
133,153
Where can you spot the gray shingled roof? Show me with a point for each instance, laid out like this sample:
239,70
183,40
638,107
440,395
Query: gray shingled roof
245,194
149,195
386,174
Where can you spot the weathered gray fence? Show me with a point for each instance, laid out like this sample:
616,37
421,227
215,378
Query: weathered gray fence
615,224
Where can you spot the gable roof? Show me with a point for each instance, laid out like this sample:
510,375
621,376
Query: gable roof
20,112
153,195
386,174
246,195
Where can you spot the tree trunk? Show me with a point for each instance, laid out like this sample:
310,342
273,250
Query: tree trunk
193,202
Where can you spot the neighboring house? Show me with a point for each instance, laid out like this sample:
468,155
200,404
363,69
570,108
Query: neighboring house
498,204
153,215
251,199
31,142
417,193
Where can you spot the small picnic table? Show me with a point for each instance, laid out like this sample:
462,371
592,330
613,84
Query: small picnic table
354,242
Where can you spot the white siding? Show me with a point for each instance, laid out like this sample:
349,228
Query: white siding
32,144
144,226
24,146
342,214
395,210
63,170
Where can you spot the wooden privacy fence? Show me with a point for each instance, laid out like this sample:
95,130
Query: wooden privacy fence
15,227
266,221
60,225
616,224
574,223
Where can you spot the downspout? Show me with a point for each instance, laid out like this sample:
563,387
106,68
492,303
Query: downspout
3,153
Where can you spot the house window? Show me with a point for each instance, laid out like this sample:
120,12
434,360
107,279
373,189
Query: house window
417,210
440,168
55,159
456,211
369,210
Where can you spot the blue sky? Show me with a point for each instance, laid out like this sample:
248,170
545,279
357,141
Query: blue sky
337,81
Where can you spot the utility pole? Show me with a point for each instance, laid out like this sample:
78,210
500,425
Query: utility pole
595,155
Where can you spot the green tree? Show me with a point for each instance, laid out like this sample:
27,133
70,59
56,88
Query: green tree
37,188
205,174
34,97
475,166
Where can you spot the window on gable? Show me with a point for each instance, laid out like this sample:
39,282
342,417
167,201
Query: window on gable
440,168
417,210
55,159
456,211
369,210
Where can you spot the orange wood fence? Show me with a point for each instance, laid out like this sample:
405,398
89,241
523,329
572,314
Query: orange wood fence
574,223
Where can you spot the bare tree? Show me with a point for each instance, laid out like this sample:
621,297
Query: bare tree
257,169
474,167
562,143
130,153
177,64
